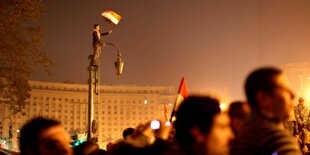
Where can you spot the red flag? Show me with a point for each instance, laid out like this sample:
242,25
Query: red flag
182,94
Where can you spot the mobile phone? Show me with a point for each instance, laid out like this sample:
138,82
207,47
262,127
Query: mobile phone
155,124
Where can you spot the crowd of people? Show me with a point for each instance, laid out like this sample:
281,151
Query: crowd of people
299,127
251,127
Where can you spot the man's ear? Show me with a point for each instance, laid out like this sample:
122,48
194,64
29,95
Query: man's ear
197,134
261,99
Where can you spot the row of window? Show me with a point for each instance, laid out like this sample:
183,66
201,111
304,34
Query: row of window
86,101
101,91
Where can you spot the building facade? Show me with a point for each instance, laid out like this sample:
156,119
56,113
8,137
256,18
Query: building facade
115,108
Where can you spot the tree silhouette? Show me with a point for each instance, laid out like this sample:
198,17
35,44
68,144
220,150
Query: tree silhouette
20,53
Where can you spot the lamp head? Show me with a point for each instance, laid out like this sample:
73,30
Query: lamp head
119,64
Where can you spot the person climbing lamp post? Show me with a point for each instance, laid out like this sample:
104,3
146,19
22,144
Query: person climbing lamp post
112,18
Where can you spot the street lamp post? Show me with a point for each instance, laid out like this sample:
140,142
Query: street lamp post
92,85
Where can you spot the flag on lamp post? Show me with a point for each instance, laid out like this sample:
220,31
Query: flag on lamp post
111,17
182,94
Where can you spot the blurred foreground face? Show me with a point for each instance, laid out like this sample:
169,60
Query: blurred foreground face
281,98
54,141
220,135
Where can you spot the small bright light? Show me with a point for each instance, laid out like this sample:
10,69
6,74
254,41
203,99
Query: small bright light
223,106
155,124
167,123
145,101
17,130
173,118
170,104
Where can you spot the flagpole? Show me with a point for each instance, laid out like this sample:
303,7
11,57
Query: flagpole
182,94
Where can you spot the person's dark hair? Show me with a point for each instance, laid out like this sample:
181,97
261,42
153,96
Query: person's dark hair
87,148
194,111
96,25
262,79
127,132
30,133
236,110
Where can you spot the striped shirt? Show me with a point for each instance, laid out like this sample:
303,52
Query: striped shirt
263,136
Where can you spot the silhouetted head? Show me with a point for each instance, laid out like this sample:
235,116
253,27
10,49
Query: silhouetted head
127,132
87,148
43,136
201,126
96,26
268,91
238,111
301,101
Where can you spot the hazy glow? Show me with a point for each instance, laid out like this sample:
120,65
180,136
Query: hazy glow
162,44
167,123
307,95
223,106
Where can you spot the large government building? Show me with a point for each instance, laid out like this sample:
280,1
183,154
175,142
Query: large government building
116,108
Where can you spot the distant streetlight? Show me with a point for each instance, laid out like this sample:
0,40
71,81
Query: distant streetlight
145,100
